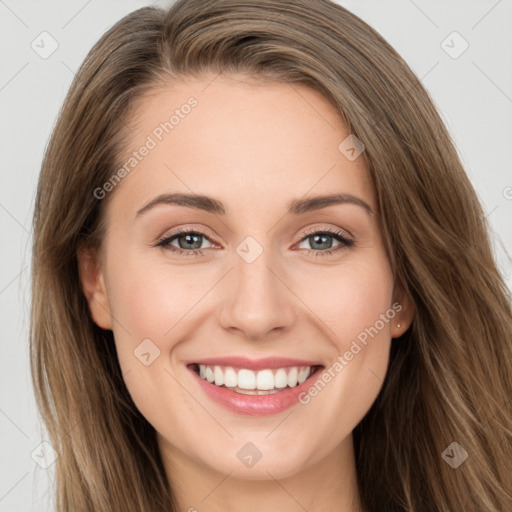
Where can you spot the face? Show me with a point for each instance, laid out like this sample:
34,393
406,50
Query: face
254,321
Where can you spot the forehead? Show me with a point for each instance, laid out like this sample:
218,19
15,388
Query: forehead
240,139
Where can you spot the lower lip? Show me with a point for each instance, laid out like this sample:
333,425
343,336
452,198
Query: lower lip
254,405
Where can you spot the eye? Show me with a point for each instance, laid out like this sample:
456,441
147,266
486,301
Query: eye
188,242
321,242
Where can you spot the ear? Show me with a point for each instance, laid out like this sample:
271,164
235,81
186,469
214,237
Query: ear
405,315
93,286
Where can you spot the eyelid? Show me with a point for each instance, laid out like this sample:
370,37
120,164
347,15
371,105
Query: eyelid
182,231
330,230
314,230
344,241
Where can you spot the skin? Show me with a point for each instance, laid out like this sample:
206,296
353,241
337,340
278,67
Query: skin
255,147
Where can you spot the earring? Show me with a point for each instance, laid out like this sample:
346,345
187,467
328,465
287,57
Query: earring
398,325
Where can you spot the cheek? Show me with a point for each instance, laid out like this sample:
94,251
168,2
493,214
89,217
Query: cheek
355,304
150,304
350,297
149,300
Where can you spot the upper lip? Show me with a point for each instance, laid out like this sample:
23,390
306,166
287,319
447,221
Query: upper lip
254,364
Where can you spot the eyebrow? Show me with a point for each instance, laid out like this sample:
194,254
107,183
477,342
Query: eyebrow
294,207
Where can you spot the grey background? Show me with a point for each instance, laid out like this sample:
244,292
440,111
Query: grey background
473,92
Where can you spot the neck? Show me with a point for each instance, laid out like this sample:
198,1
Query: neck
328,485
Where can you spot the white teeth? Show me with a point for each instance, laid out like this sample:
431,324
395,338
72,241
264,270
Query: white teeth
210,376
250,382
303,375
246,379
230,378
292,377
219,376
281,379
265,380
255,391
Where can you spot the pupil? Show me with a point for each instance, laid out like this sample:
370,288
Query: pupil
318,240
189,240
316,237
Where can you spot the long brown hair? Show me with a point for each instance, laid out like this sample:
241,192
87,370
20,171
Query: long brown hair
450,374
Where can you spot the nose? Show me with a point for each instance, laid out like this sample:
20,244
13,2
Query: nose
257,301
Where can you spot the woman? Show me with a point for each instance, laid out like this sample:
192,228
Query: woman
337,337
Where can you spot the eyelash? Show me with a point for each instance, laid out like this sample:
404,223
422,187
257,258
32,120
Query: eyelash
338,235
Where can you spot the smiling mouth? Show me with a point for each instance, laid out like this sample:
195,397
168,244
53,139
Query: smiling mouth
248,382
